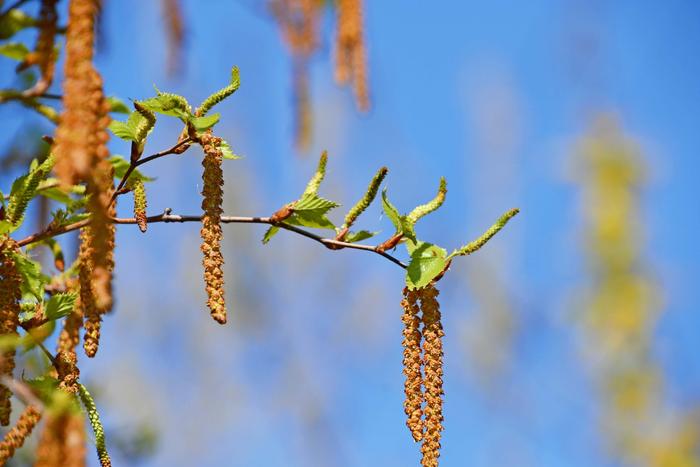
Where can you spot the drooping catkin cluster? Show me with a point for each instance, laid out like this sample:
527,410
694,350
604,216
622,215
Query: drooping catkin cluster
9,317
62,441
423,368
212,192
74,153
350,54
14,439
43,54
432,369
413,384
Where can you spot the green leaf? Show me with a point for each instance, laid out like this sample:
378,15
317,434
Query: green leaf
121,165
14,21
33,281
14,50
312,202
24,189
427,262
312,218
122,130
226,151
60,305
401,223
169,104
271,232
352,237
117,105
206,122
56,194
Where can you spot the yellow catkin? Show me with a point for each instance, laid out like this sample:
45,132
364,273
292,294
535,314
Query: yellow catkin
350,55
88,307
432,368
43,54
413,384
172,12
14,439
213,261
73,149
62,441
69,337
9,318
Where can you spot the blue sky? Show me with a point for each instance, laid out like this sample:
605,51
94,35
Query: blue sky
492,95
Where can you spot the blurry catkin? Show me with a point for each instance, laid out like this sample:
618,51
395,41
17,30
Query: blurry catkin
100,186
88,307
62,441
140,204
213,261
432,368
43,54
14,439
351,62
412,364
68,373
172,12
73,148
9,317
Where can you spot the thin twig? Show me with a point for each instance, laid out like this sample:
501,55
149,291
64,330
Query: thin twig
330,243
22,391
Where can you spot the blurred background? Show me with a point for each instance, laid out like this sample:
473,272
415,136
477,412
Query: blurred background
571,338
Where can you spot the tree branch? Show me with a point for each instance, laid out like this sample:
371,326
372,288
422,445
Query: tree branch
329,243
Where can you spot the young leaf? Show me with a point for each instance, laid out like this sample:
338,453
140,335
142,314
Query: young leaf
120,167
269,233
14,21
117,105
221,94
427,262
59,305
352,237
14,50
206,122
226,151
33,281
401,222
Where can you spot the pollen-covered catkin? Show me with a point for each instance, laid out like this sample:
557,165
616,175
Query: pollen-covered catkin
10,295
62,441
88,307
413,384
213,261
432,368
14,439
73,149
68,373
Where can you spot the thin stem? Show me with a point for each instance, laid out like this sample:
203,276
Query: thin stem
167,217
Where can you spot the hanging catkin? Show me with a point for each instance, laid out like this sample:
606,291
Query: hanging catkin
9,317
14,439
413,384
351,62
212,192
432,368
88,307
43,54
172,12
62,441
74,153
140,204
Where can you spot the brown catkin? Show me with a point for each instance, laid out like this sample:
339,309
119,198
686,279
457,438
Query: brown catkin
62,441
350,55
14,439
432,367
10,295
413,384
68,373
88,307
212,190
74,153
